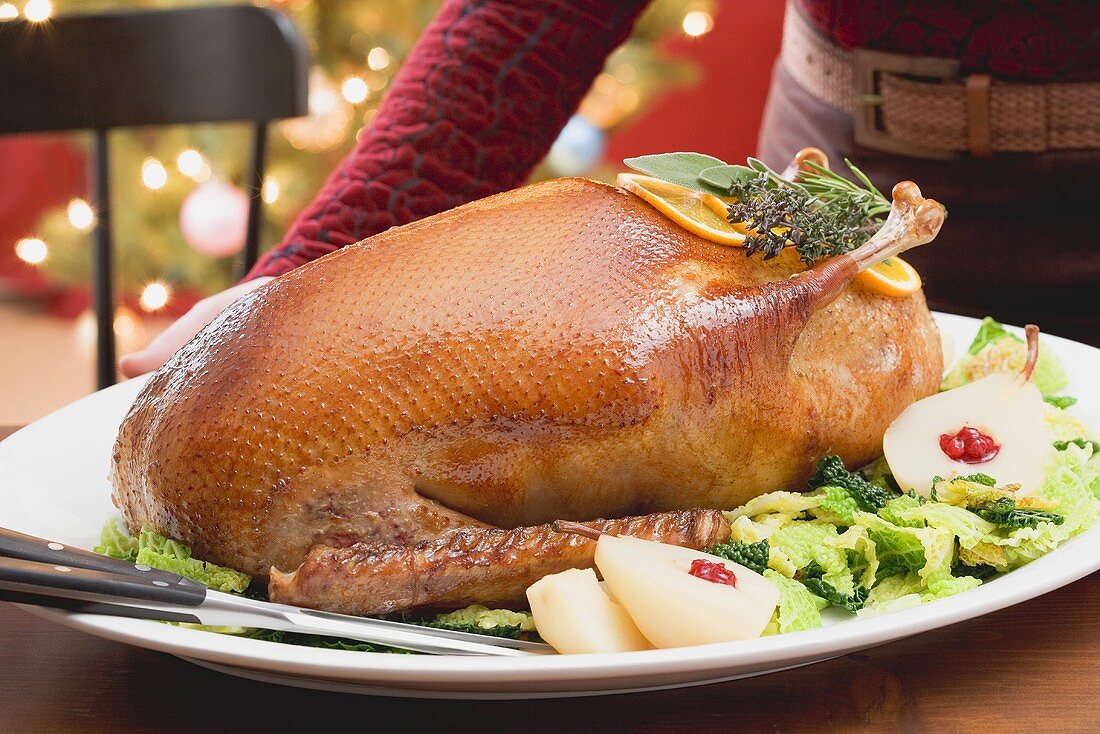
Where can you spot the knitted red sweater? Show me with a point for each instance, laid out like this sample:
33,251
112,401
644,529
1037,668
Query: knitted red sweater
475,107
1018,40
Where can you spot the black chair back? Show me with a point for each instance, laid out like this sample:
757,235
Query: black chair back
151,67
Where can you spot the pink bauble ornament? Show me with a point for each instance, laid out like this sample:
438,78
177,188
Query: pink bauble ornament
214,219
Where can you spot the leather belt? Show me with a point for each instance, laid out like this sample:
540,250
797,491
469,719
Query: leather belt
922,107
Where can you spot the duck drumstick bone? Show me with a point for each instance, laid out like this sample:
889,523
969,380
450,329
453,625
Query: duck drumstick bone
485,566
913,221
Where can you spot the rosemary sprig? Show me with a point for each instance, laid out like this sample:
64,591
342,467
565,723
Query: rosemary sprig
821,213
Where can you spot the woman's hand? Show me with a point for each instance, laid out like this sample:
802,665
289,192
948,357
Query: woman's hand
180,332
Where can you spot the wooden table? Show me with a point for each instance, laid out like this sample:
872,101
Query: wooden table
1032,667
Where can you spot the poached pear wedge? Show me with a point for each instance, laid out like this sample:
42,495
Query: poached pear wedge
575,614
994,426
674,608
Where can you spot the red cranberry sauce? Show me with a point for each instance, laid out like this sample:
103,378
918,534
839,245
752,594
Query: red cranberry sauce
969,445
716,573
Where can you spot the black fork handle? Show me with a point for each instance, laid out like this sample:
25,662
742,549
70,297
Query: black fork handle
78,583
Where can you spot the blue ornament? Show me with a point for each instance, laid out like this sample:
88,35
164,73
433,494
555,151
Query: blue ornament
577,149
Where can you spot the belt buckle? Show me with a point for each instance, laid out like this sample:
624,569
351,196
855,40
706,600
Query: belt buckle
867,66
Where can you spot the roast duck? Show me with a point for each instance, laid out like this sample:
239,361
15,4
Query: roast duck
396,425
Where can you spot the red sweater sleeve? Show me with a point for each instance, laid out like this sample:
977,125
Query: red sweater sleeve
475,107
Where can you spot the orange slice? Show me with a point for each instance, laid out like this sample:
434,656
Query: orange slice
719,205
705,215
892,277
690,209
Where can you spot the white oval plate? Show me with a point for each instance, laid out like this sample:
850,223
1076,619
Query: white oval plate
53,483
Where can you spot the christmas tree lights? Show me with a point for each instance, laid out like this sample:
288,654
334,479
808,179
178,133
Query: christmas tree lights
179,202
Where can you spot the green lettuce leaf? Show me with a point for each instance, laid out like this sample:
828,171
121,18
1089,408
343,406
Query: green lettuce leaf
1067,481
862,554
805,543
813,579
744,530
924,551
893,588
968,527
329,643
1005,512
907,601
157,551
837,505
899,549
944,585
989,331
1061,401
894,511
482,620
790,505
832,472
1067,484
116,542
798,609
996,350
216,577
1081,443
1026,544
1065,426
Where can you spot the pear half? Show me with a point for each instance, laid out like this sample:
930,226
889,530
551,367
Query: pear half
671,607
1005,406
574,613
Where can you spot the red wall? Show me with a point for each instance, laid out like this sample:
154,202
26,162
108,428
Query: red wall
721,114
36,173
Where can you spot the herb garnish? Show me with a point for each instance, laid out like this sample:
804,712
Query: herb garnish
820,213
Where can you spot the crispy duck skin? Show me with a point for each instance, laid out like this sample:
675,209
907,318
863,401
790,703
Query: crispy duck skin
485,566
561,351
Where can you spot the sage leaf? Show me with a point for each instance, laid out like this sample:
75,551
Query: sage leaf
723,177
759,165
682,169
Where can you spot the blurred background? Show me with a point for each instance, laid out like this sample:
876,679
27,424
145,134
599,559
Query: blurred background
692,77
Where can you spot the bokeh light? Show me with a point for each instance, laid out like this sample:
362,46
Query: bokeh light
31,250
155,296
190,162
81,215
378,58
697,23
153,174
354,89
37,11
269,192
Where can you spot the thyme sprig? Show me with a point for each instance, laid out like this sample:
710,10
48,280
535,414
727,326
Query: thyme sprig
820,213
